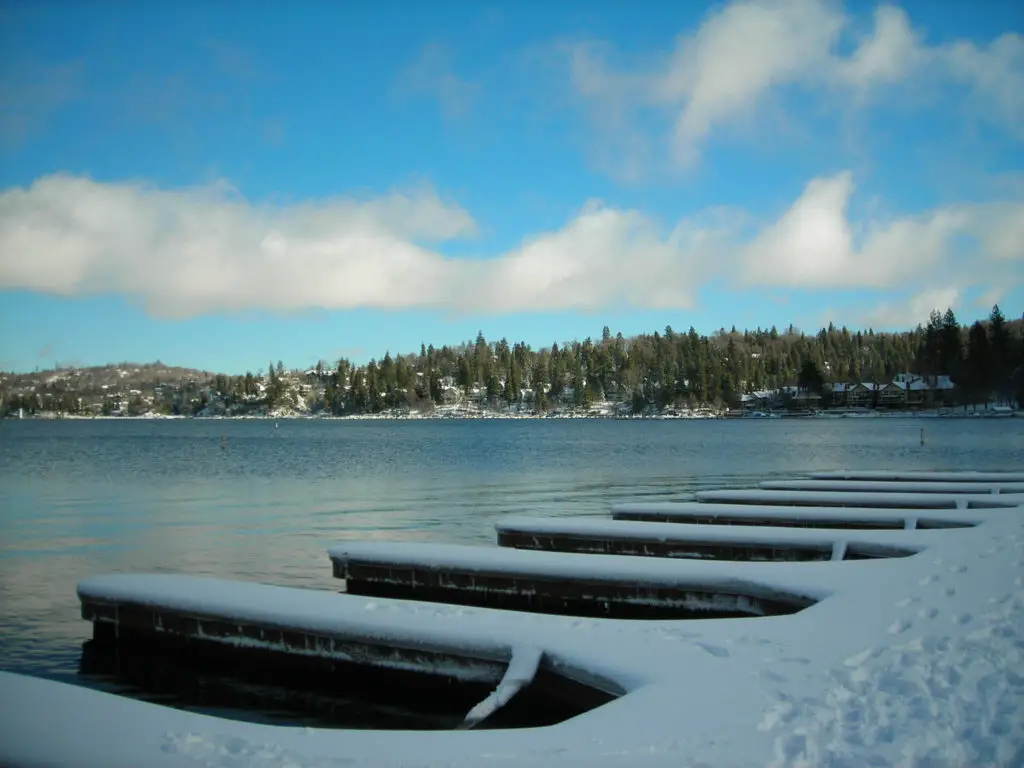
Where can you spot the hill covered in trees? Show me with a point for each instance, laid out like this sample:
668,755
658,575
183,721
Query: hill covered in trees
645,373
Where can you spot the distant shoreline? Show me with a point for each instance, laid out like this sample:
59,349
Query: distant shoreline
574,416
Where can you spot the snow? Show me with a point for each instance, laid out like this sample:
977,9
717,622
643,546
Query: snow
934,477
915,661
894,486
858,499
894,515
520,673
723,534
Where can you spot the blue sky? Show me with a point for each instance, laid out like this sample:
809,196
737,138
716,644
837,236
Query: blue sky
217,187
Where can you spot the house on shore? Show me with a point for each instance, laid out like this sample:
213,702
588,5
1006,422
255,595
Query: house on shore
906,390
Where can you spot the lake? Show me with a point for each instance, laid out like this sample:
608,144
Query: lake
254,501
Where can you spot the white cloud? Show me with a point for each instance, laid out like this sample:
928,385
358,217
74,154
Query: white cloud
908,313
736,57
726,71
888,55
995,74
813,244
205,249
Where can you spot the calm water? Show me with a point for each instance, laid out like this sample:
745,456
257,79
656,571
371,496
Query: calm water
246,500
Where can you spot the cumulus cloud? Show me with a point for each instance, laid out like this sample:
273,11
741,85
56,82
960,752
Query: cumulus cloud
203,249
736,57
742,54
813,244
186,252
910,312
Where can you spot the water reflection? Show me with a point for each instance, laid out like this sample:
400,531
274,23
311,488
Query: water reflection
258,695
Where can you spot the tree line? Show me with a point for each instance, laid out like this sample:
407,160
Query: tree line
649,371
671,368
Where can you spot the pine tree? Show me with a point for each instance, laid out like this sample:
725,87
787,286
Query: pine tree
1001,354
978,374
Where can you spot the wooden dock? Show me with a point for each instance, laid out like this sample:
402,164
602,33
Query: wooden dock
878,499
782,516
881,476
558,583
896,486
318,640
704,542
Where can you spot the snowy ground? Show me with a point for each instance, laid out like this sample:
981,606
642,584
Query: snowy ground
913,661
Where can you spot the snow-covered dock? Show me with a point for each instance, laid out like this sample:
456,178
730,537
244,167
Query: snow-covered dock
568,584
891,660
878,497
307,633
927,477
895,486
704,542
766,515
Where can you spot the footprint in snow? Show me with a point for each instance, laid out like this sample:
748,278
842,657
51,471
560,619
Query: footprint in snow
949,592
899,627
928,613
775,677
962,619
905,602
714,650
929,579
859,658
958,569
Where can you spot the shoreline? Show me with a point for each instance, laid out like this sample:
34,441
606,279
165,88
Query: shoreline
564,415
